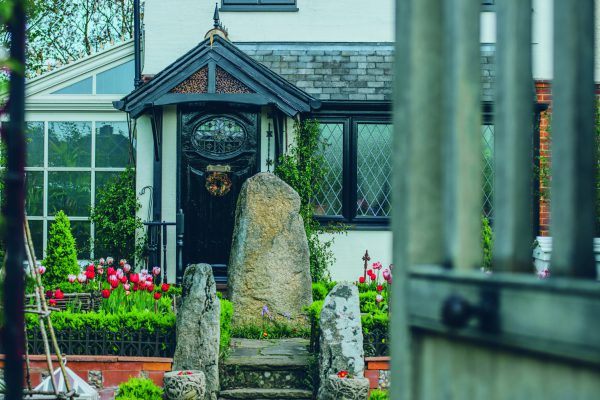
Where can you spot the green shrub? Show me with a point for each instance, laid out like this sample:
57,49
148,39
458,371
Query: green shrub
319,291
105,322
61,253
377,394
139,388
226,316
114,218
303,168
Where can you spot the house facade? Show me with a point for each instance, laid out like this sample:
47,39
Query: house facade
219,93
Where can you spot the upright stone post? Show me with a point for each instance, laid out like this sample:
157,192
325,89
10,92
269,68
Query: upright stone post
198,329
341,346
270,262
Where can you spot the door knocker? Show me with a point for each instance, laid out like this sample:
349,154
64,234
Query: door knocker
218,184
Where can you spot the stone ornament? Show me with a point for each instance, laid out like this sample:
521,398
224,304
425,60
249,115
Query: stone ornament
336,388
184,385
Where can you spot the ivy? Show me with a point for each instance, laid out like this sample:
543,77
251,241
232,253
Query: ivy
115,220
303,169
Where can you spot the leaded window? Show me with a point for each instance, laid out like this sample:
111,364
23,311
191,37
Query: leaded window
356,153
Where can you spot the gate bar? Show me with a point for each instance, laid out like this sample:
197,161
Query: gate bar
513,138
573,144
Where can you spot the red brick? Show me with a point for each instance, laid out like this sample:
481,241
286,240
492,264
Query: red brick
379,365
114,378
156,376
156,366
373,377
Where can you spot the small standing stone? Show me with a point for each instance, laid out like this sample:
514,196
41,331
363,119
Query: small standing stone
270,260
341,339
198,329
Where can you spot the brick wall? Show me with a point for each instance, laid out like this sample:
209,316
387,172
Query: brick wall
543,91
377,370
104,373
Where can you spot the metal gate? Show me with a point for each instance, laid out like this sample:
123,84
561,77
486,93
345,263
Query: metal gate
458,333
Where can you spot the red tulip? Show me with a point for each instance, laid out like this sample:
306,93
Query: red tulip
373,277
106,293
361,279
370,272
110,271
124,279
90,274
135,278
165,287
122,262
135,287
114,283
90,268
52,302
150,288
59,294
379,288
157,295
149,278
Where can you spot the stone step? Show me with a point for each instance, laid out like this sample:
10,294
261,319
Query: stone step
265,394
267,364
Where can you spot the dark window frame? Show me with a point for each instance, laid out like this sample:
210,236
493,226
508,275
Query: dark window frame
488,5
259,5
350,115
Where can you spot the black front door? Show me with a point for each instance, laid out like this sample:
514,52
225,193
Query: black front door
219,151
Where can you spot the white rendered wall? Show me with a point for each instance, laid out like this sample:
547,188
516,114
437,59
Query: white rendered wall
144,167
169,183
175,26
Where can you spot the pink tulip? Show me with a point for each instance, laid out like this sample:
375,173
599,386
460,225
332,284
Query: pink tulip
81,278
126,286
387,274
41,269
377,265
156,270
127,292
100,271
122,262
101,261
72,278
119,273
109,260
127,268
149,278
112,278
379,298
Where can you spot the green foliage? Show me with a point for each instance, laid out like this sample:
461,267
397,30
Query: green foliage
124,323
59,31
377,394
119,302
487,242
114,218
61,253
319,290
139,388
276,330
303,169
225,323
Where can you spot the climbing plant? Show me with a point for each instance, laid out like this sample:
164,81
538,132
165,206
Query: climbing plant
115,220
302,167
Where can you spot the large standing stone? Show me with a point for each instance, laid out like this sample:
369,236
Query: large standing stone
269,263
341,339
198,329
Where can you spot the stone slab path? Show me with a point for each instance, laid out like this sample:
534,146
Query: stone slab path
267,369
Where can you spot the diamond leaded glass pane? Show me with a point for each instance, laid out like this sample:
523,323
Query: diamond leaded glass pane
374,167
487,136
328,200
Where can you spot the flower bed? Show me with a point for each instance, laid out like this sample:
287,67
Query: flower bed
374,309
